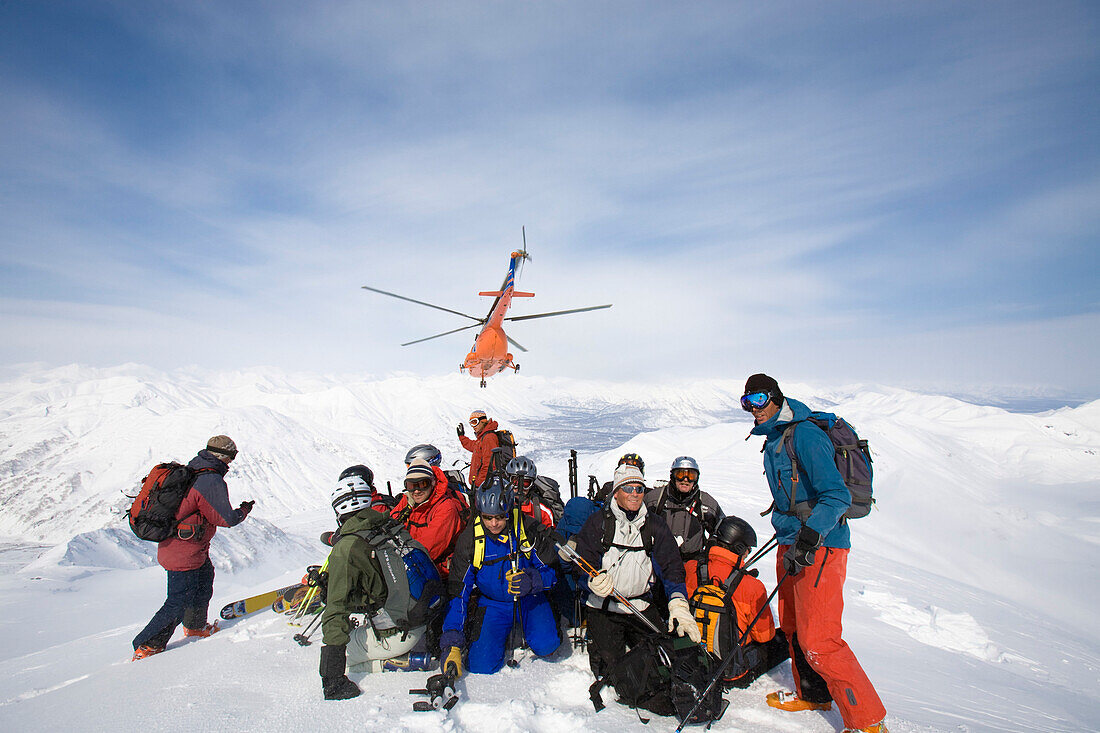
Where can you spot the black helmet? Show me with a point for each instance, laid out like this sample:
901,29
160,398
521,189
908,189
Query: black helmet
735,534
426,452
358,470
495,497
634,460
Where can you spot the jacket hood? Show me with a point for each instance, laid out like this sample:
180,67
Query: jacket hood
791,411
206,459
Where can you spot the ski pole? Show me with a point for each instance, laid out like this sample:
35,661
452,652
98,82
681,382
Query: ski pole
734,652
761,552
591,572
310,594
303,637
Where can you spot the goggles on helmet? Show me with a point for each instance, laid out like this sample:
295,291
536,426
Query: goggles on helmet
522,481
418,484
685,474
755,400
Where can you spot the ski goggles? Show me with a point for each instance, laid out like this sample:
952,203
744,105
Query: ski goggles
754,400
523,481
632,488
477,421
418,484
684,474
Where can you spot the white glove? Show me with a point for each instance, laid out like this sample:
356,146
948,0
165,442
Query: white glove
681,621
601,584
564,554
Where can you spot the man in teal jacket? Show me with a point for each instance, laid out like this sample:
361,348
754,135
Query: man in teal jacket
812,560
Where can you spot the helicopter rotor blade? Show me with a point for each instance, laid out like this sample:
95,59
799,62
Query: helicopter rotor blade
445,333
513,342
557,313
421,302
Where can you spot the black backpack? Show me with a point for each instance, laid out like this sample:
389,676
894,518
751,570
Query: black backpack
504,452
152,516
853,460
664,676
546,491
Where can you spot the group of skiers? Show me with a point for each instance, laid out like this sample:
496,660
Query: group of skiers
637,558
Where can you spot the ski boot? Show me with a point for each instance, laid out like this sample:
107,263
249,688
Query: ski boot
792,703
146,650
205,631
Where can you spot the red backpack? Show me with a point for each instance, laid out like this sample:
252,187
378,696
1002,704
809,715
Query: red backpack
152,516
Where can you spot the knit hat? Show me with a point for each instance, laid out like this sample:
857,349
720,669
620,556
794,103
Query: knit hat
627,474
222,445
420,469
764,383
477,413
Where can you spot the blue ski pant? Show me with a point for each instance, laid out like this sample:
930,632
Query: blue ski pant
540,629
189,593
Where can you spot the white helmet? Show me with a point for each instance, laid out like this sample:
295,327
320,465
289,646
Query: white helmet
351,494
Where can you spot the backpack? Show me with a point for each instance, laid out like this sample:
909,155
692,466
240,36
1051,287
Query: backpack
712,606
456,486
545,490
152,516
414,589
663,676
608,540
853,460
504,452
576,513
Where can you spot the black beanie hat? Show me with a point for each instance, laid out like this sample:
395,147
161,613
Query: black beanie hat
764,383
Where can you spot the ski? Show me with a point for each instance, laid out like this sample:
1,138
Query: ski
440,688
245,606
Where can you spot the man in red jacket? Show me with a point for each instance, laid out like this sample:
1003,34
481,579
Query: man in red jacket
186,554
431,512
481,446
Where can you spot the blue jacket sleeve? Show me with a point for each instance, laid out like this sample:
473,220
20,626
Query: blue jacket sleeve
816,460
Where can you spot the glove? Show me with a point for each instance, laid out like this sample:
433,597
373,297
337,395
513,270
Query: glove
334,682
246,507
564,554
523,582
801,554
451,661
601,584
681,621
461,430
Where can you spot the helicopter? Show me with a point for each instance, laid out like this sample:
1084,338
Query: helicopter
489,354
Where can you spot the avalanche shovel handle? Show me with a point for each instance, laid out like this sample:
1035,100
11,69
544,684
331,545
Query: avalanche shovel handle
591,572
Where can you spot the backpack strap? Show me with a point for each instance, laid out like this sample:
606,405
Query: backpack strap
802,509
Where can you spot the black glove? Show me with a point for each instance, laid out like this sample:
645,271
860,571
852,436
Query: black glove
802,552
461,430
334,682
246,507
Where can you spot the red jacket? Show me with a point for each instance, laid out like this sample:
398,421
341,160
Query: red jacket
482,449
205,508
748,597
435,523
547,516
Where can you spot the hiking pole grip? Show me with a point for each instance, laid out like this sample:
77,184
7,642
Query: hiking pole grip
732,654
591,572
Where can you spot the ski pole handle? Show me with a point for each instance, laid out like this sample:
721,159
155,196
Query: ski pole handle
591,572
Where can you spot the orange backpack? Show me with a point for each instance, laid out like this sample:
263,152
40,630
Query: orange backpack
152,516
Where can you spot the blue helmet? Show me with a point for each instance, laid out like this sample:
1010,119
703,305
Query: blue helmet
495,497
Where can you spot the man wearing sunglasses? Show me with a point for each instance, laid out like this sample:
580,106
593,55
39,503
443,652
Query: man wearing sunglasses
481,446
432,514
814,552
633,550
691,513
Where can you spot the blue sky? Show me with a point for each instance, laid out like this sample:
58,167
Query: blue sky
906,193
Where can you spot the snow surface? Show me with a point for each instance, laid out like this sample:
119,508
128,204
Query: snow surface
970,598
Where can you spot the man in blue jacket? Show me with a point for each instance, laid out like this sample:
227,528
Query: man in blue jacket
813,553
503,559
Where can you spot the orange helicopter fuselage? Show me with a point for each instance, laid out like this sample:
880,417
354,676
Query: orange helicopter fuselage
489,354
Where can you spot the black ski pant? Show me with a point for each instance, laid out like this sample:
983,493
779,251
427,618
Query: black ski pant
610,634
189,593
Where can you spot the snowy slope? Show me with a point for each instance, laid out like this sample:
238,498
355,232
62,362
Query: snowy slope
970,592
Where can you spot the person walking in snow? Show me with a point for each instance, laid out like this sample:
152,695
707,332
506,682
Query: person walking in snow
481,446
504,561
691,513
632,549
186,554
813,555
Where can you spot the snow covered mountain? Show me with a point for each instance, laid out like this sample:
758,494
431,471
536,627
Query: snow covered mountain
970,595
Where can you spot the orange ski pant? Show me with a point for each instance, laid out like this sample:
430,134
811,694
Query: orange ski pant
810,606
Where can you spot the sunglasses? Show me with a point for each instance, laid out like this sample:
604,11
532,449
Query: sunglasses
422,484
755,400
632,489
524,481
684,474
494,517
